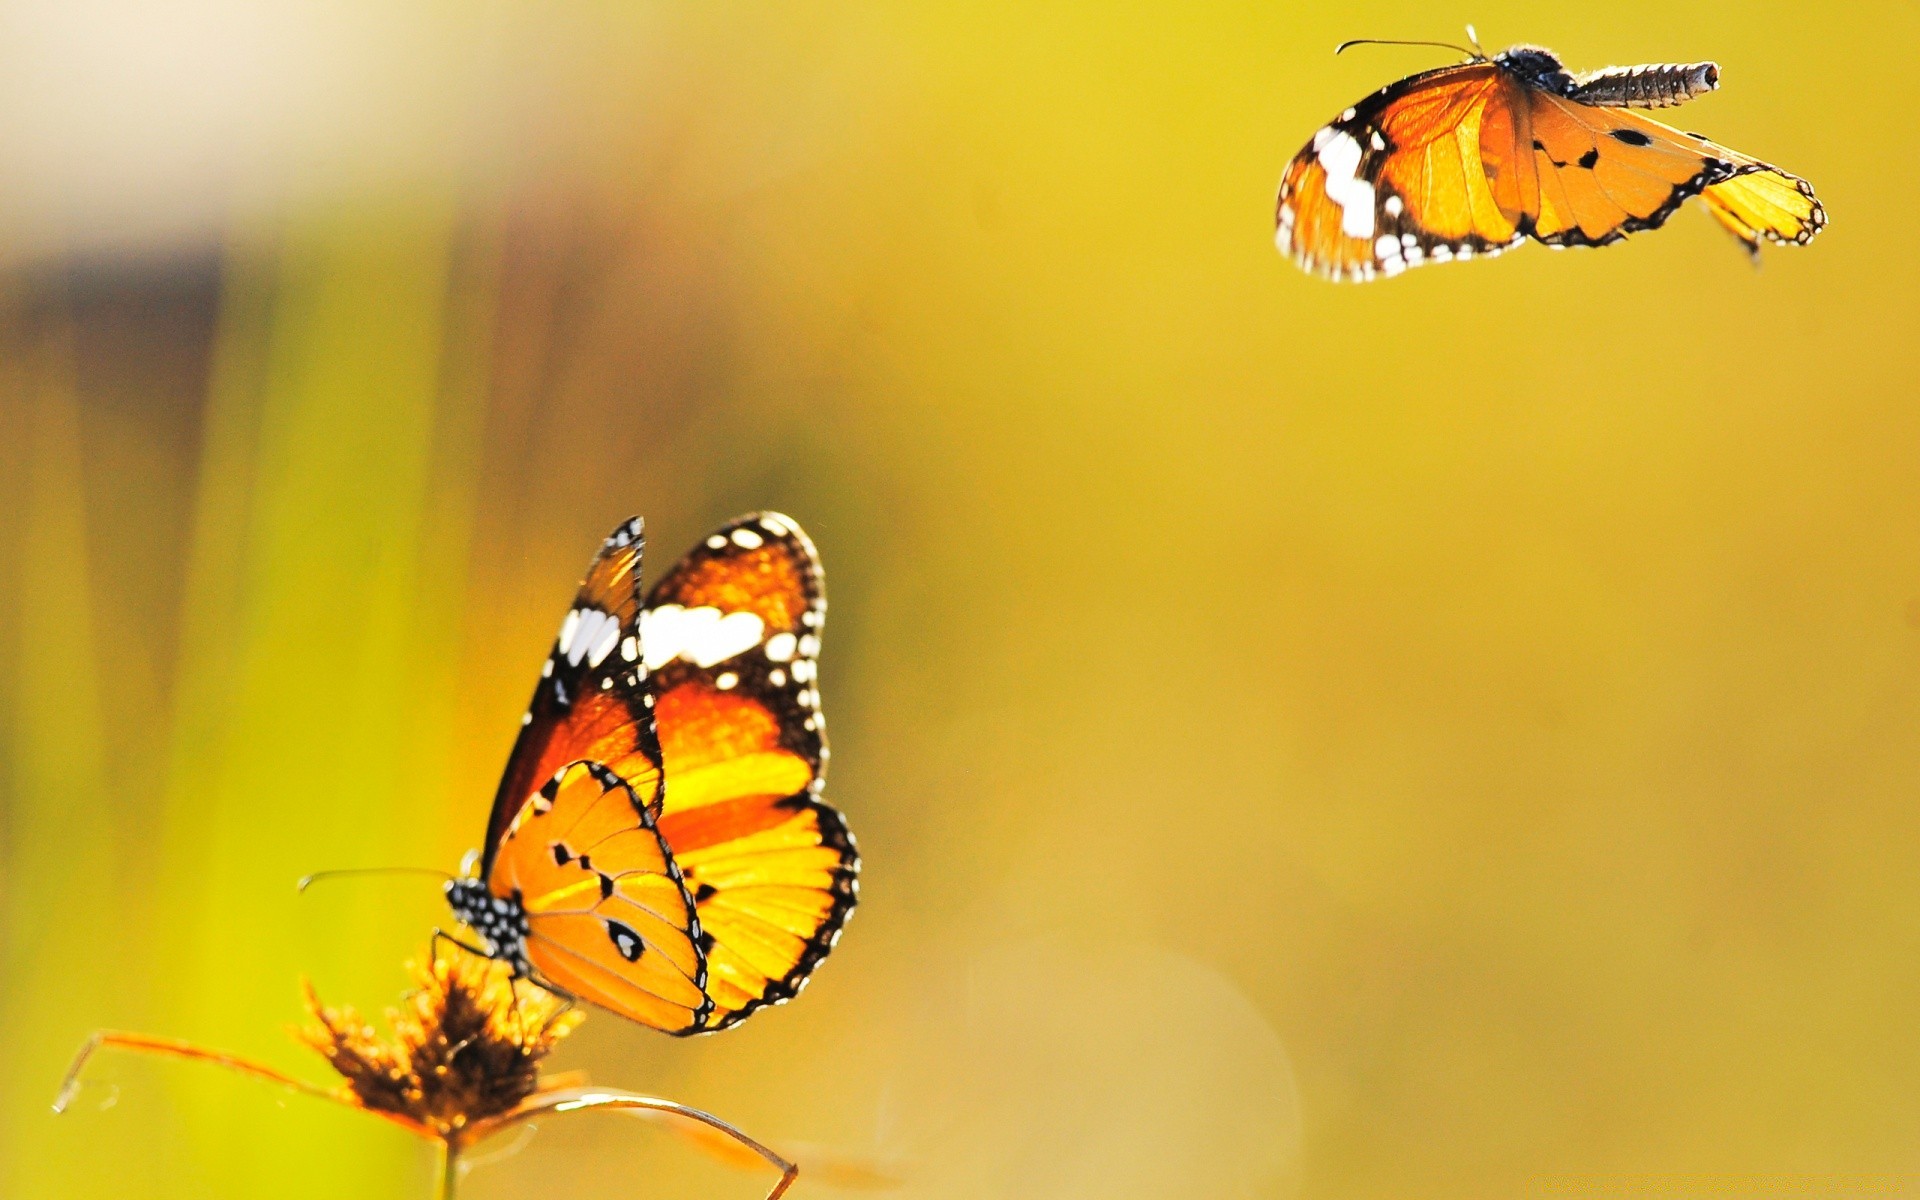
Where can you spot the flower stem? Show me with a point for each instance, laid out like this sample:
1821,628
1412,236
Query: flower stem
449,1171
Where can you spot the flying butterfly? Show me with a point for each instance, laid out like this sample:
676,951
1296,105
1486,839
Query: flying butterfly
658,844
1473,159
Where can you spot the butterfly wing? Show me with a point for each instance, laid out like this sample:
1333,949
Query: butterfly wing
731,636
1766,205
1425,170
1608,172
609,917
592,702
572,836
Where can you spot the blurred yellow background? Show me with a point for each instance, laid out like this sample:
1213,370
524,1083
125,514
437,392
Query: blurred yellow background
1452,737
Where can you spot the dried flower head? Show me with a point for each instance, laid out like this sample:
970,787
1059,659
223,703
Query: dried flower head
466,1047
461,1063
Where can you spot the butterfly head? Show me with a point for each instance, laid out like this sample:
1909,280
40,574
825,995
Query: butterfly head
1537,67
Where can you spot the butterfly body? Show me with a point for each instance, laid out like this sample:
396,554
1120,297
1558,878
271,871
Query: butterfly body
501,922
658,845
1475,158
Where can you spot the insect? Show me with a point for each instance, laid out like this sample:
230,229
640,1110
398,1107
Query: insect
658,845
1472,159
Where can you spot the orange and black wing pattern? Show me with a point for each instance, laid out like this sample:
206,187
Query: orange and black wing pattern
608,916
731,638
592,703
582,890
1472,159
1421,171
1607,172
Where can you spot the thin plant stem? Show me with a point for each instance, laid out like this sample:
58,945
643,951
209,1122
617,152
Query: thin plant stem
449,1170
140,1043
564,1100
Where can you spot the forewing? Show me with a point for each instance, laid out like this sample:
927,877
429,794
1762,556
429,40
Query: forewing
1421,171
741,614
592,701
1609,172
609,915
731,636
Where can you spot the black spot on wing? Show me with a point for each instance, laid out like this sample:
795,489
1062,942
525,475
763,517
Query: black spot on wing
1588,159
1632,137
625,940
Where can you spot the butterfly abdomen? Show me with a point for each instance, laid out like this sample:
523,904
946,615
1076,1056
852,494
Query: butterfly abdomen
1653,85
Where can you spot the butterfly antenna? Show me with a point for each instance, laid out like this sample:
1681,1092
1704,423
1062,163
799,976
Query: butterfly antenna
307,881
1473,52
1473,39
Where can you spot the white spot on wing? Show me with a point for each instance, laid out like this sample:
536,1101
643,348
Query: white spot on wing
1340,158
747,539
700,635
780,647
588,634
604,640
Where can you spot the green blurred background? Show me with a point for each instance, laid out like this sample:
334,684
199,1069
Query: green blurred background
1453,737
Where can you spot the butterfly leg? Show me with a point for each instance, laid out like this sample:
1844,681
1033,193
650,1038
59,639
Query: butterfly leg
441,935
513,992
568,1001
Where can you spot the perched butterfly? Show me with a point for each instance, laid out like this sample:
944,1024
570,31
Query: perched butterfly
1472,159
658,845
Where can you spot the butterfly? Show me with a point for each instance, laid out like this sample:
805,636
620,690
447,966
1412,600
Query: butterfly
658,844
1473,159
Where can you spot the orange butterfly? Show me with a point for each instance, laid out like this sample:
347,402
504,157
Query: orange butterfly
1471,159
658,845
